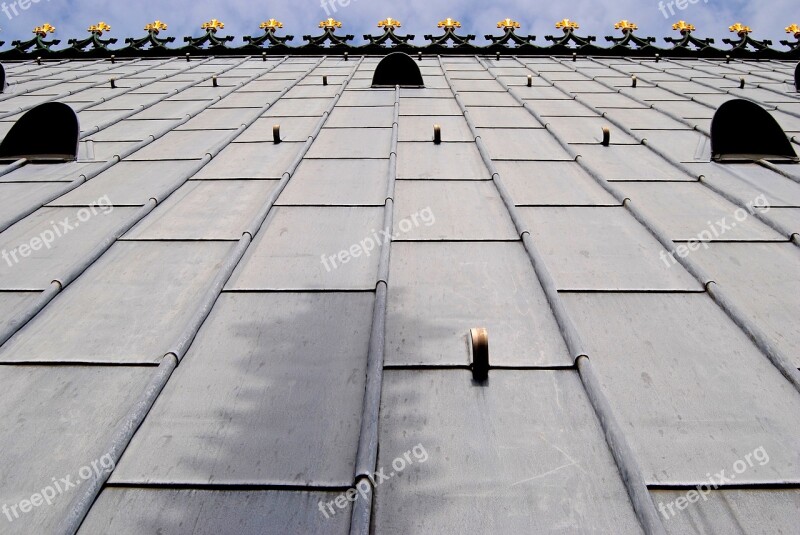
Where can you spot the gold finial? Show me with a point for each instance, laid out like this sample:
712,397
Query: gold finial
155,26
567,24
683,26
44,29
213,25
330,24
625,25
795,29
389,23
509,24
271,24
740,29
449,24
99,28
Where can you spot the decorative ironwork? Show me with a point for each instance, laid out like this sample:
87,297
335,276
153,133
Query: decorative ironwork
628,36
510,39
152,39
509,36
96,31
569,27
270,27
213,25
687,40
567,24
155,27
38,43
740,29
44,29
210,37
389,25
450,26
329,26
744,39
793,29
625,26
330,23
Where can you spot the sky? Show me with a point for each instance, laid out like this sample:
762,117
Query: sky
767,18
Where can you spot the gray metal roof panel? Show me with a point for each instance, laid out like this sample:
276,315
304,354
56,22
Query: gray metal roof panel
420,127
288,252
61,419
337,182
762,279
681,145
239,410
299,107
12,304
218,119
240,99
505,117
505,458
133,130
453,207
210,512
429,106
41,247
292,128
611,100
540,93
488,98
552,183
185,214
149,285
180,145
129,183
251,160
788,217
522,144
604,248
558,108
438,291
629,163
15,195
685,209
691,389
588,130
55,172
169,109
352,143
639,118
452,161
373,97
686,109
731,510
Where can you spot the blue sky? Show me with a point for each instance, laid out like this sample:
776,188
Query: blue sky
597,17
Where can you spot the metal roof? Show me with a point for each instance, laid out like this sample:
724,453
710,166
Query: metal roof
236,335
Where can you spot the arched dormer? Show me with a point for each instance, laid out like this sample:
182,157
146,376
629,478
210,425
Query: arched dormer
396,69
48,132
743,131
